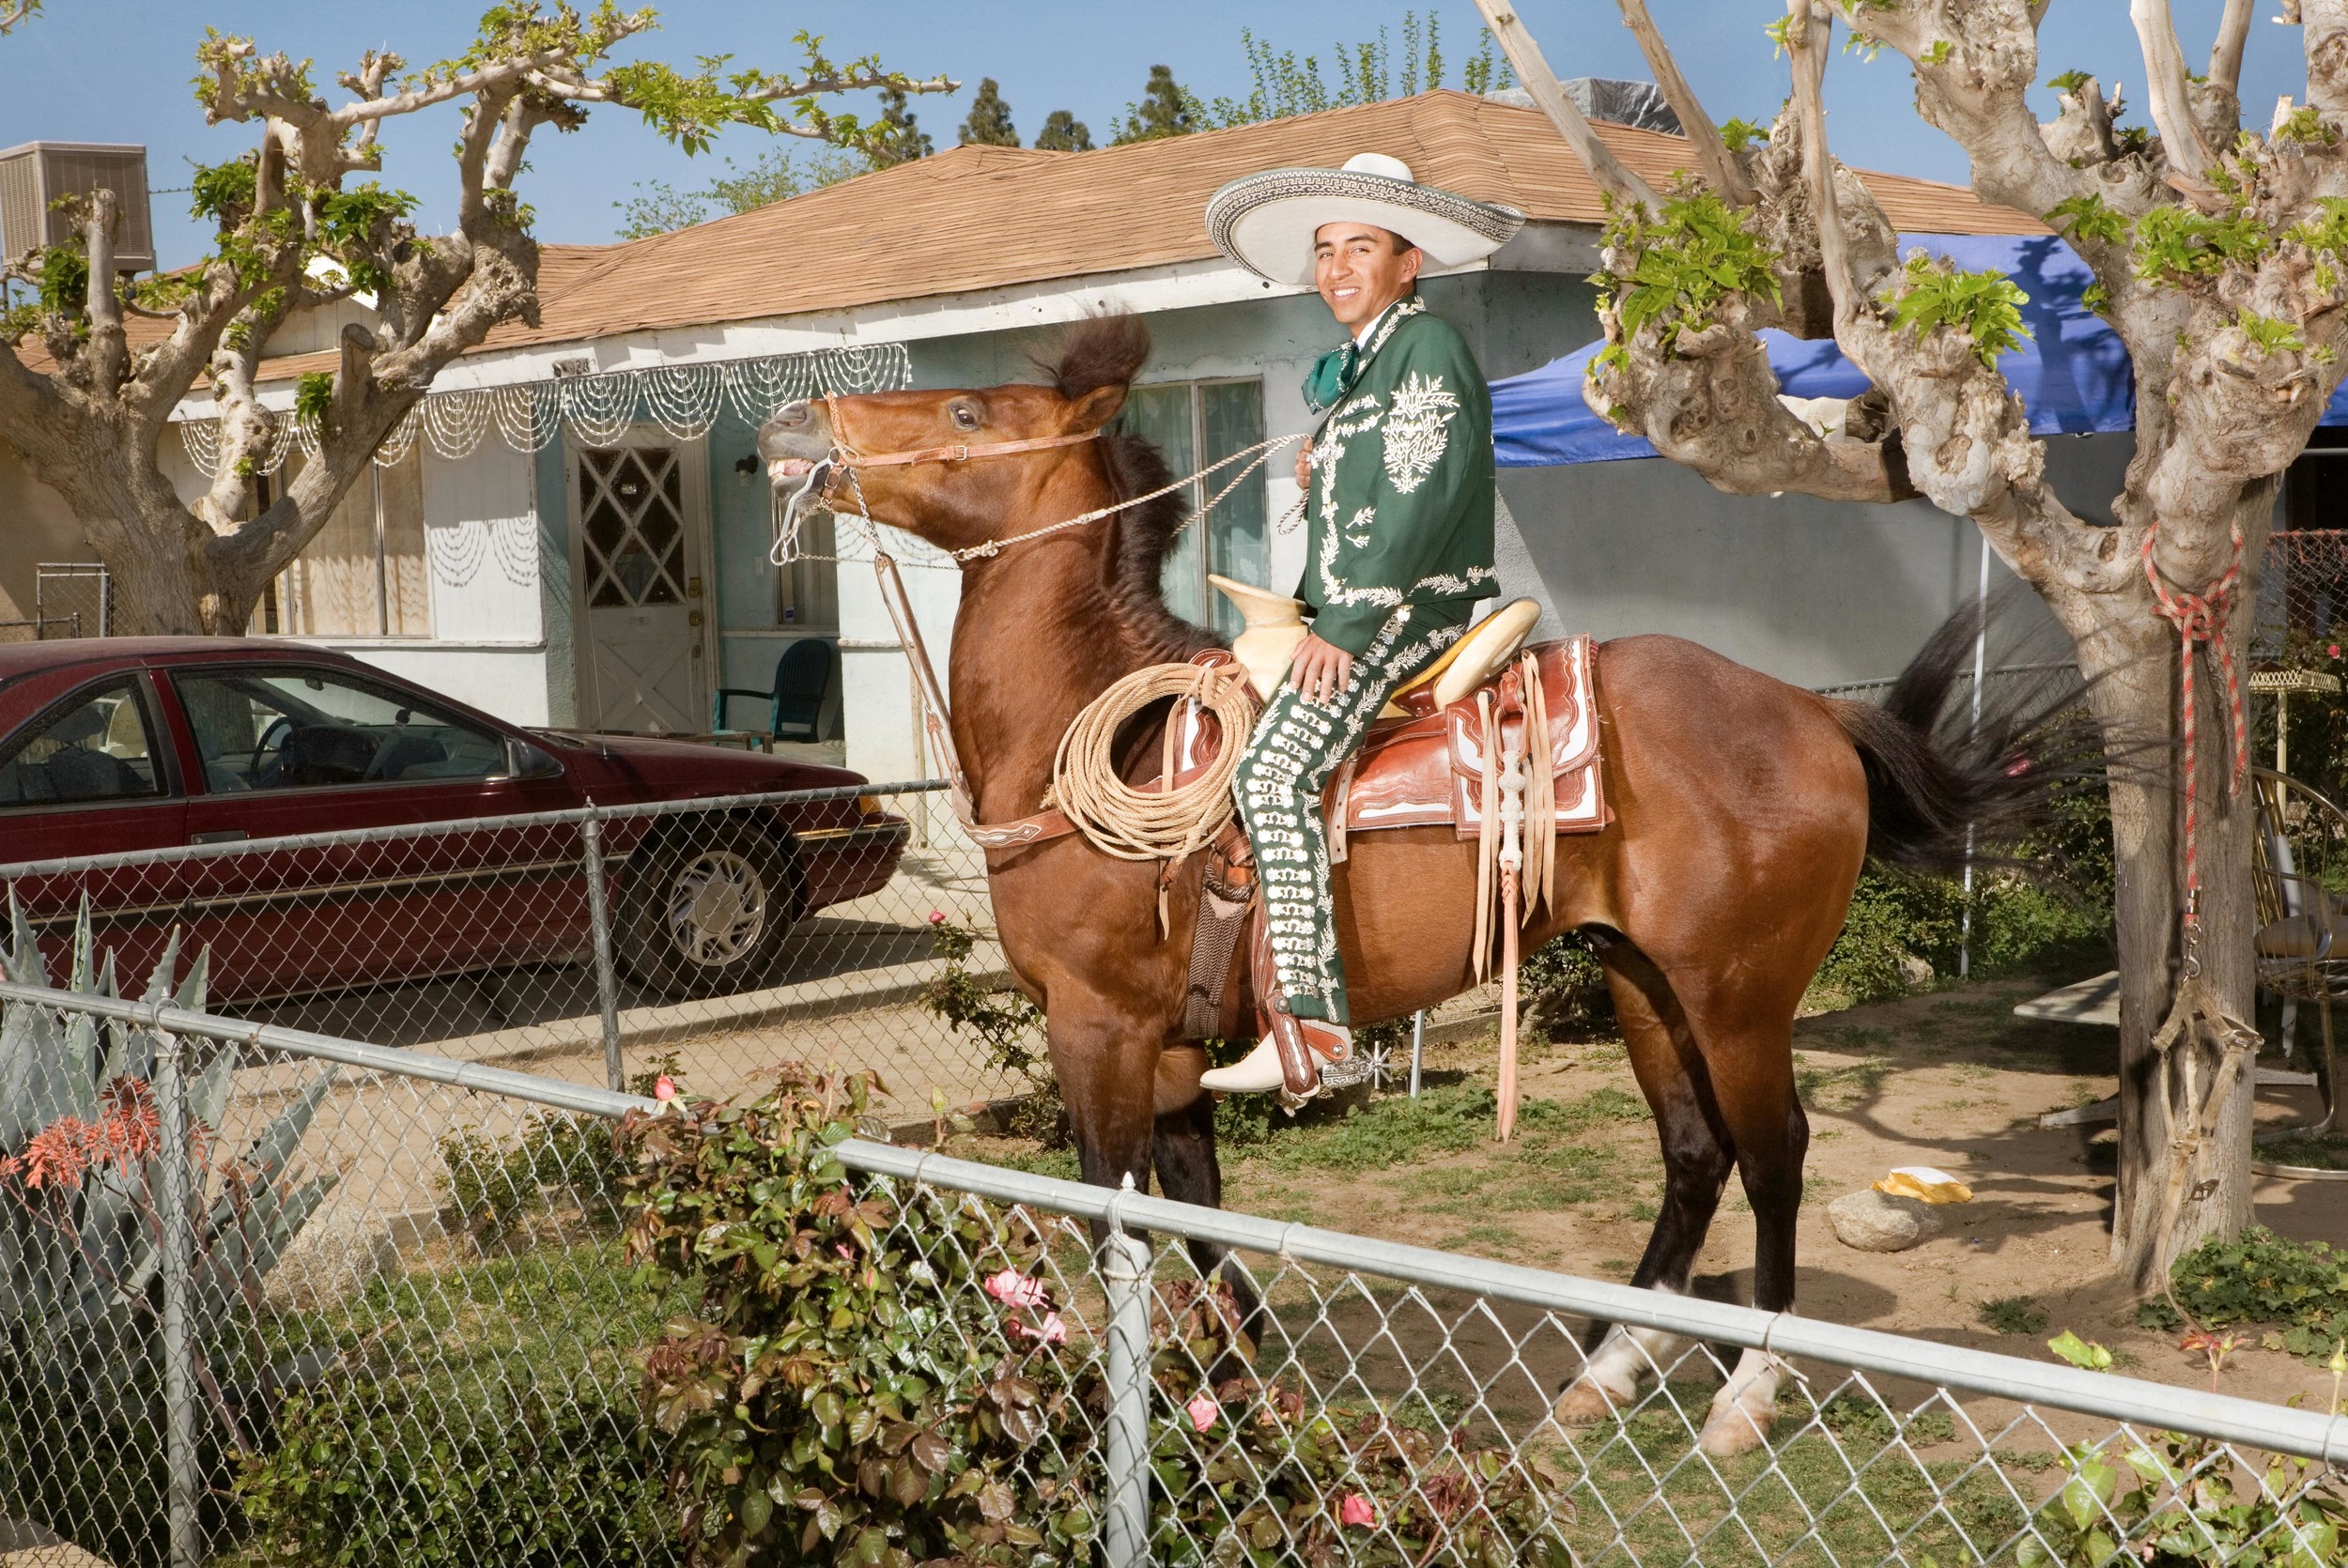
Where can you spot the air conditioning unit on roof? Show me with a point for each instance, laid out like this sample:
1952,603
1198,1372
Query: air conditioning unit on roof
33,176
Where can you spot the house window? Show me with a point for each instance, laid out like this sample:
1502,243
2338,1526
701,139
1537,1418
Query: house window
1195,424
362,575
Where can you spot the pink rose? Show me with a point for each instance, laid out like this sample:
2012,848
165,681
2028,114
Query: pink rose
1050,1331
1014,1289
2333,649
938,916
1358,1510
664,1087
1203,1409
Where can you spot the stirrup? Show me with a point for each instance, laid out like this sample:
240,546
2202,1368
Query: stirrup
1327,1050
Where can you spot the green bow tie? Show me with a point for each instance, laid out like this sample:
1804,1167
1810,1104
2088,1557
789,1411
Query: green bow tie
1331,374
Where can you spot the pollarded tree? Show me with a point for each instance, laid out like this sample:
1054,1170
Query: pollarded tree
296,228
2221,259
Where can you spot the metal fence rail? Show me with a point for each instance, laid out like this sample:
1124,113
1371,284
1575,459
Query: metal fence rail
725,933
448,1334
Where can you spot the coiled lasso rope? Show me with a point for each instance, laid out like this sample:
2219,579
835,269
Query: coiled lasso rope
1173,821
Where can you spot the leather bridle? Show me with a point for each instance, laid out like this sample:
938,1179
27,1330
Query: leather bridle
844,452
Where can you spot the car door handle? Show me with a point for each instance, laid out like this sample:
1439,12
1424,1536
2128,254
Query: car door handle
218,835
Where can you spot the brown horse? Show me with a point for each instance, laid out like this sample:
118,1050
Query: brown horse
1744,810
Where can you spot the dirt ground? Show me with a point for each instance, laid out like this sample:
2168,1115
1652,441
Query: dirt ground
1948,1078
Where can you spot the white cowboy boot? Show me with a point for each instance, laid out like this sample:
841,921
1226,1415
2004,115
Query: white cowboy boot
1256,1073
1260,1070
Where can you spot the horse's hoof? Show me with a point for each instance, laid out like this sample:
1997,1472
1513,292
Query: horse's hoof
1585,1404
1734,1428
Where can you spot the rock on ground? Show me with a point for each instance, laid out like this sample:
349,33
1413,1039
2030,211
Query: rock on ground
1873,1222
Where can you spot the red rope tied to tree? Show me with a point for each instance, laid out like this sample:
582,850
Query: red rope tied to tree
2201,618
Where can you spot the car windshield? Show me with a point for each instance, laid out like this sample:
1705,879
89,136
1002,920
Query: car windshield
282,730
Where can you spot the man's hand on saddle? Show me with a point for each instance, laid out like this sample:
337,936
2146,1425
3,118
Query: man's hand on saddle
1321,669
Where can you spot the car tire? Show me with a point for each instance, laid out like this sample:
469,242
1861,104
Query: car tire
706,911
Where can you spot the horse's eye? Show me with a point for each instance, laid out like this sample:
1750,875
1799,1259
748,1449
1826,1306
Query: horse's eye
966,417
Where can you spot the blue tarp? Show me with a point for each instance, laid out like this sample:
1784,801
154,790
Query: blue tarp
2073,374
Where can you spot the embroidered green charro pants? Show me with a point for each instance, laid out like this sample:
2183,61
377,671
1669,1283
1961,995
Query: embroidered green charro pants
1297,747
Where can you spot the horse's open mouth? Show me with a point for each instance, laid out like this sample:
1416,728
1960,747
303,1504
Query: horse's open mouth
781,469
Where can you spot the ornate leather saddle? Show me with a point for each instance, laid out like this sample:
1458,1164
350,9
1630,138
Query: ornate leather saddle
1427,767
1422,769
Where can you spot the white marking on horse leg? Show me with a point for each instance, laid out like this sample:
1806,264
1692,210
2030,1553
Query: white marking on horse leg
1746,1407
1611,1380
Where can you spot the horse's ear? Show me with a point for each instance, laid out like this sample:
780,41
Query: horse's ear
1098,406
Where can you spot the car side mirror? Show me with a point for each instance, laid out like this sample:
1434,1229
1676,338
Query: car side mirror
525,761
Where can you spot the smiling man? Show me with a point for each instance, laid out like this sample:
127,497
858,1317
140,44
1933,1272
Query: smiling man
1397,546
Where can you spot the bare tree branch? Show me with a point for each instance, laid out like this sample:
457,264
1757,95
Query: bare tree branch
1721,168
108,354
2172,100
15,12
1613,176
2225,56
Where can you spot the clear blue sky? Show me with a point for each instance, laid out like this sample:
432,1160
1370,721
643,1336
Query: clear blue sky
116,70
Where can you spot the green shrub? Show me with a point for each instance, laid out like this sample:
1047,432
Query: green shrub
2053,898
878,1377
370,1472
2191,1503
1561,988
493,1182
2259,1277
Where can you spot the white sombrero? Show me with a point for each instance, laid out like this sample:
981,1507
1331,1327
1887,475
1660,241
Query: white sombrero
1266,221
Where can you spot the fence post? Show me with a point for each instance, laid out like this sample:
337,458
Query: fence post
1125,1275
187,1547
1419,1045
600,928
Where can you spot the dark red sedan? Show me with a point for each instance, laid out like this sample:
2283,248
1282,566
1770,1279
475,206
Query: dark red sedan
137,744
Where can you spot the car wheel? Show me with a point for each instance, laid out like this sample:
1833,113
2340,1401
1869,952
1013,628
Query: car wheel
707,911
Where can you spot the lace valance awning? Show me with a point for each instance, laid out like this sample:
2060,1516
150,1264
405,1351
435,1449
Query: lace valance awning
684,400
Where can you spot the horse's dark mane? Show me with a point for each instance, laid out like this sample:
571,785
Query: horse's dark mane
1108,351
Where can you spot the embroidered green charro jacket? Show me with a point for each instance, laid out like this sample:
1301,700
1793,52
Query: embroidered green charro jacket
1400,509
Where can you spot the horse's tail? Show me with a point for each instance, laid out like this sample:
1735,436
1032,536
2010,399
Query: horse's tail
1945,788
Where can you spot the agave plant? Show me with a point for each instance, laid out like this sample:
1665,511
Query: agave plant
81,1218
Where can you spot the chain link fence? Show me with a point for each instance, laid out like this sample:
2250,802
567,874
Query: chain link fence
722,935
277,1297
71,598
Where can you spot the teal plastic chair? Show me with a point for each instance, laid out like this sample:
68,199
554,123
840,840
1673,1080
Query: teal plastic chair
802,679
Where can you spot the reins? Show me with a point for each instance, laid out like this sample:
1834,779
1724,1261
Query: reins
1165,826
846,459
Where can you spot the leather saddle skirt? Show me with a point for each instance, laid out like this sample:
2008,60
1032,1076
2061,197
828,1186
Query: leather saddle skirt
1427,768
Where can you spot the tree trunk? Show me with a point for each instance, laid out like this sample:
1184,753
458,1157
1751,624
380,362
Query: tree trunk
2135,672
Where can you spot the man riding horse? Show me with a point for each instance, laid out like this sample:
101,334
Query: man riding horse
1397,543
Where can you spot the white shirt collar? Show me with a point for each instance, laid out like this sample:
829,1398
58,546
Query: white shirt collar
1361,339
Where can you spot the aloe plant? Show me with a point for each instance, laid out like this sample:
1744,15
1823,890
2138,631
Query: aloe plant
81,1228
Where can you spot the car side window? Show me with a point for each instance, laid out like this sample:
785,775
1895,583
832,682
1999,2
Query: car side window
304,728
97,749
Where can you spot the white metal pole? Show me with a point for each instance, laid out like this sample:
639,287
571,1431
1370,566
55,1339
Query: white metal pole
1125,1280
1972,727
181,1466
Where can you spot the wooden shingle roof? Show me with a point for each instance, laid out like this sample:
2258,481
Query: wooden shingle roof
978,218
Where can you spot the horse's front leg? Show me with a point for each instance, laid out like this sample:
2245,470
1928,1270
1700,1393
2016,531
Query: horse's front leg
1105,1054
1183,1152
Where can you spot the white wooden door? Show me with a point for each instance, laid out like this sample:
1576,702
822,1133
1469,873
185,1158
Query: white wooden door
640,577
